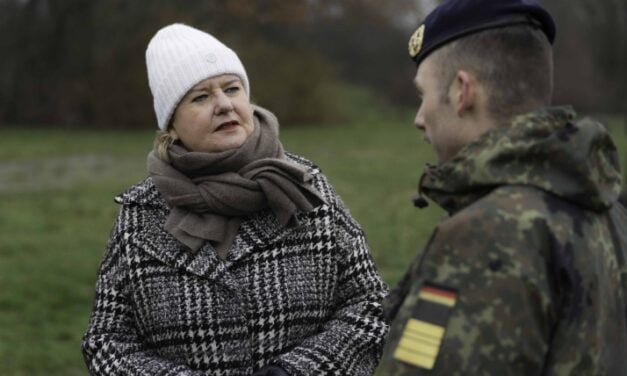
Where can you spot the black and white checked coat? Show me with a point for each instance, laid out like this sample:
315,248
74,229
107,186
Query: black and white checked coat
306,297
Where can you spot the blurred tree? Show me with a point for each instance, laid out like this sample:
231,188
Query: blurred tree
591,51
608,31
81,62
41,58
368,39
590,56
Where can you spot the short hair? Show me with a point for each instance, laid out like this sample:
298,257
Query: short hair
514,63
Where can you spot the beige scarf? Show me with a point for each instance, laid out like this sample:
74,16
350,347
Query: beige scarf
209,193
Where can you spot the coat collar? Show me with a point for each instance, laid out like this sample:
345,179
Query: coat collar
256,232
142,193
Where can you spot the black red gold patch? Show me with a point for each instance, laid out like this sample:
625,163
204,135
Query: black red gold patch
421,339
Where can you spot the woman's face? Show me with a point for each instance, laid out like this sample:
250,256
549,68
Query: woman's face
215,115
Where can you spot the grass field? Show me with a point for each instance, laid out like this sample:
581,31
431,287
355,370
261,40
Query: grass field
56,189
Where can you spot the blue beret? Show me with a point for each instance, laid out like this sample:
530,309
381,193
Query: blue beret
456,18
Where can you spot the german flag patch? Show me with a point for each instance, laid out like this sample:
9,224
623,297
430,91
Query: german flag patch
421,339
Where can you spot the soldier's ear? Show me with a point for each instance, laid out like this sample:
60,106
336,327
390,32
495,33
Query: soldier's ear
463,92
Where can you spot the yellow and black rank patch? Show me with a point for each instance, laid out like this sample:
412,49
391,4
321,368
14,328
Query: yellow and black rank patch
421,339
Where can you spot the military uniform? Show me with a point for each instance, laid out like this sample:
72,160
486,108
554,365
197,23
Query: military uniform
528,274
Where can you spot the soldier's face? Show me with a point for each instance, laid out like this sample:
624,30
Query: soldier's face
436,115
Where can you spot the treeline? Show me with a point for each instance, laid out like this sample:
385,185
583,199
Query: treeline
591,54
81,62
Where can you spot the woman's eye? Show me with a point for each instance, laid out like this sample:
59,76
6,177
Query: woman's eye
232,89
199,98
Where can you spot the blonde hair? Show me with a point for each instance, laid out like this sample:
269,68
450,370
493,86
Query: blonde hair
163,140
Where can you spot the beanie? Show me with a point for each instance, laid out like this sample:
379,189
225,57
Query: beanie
179,57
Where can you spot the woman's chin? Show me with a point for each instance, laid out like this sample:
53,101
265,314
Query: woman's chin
227,141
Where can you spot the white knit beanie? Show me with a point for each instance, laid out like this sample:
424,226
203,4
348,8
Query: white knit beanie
177,58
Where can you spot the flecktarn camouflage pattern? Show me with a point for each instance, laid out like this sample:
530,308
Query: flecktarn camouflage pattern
532,259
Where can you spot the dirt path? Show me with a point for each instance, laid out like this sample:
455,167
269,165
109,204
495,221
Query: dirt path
65,172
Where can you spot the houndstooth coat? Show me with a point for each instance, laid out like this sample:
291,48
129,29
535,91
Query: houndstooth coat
305,297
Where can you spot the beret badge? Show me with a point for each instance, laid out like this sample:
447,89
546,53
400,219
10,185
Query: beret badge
415,42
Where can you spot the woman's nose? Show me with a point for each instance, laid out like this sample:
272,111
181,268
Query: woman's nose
223,103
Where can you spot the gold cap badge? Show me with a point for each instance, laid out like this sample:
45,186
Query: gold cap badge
415,42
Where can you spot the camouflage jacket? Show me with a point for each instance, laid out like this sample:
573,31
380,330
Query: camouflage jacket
527,276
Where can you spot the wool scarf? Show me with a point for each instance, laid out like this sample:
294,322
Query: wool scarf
210,193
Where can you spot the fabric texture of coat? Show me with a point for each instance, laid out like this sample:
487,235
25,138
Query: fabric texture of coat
306,297
528,275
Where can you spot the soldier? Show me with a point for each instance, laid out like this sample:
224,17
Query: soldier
527,275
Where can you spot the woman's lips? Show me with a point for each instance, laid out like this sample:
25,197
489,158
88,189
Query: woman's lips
227,126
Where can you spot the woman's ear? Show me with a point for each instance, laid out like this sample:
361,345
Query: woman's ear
464,93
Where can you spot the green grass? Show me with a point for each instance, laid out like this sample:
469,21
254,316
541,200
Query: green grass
56,215
54,222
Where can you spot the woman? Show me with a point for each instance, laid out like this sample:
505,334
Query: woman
233,257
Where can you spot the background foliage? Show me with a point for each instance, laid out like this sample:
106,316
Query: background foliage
76,122
81,62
